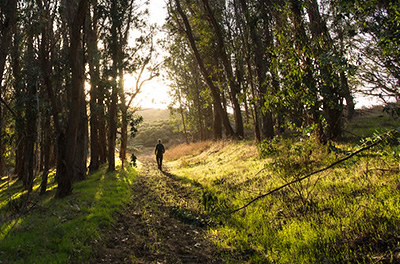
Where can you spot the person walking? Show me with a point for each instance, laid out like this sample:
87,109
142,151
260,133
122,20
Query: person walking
159,151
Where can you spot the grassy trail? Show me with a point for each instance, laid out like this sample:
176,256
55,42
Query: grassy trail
148,230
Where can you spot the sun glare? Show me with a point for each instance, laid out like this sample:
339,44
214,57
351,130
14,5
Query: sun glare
154,93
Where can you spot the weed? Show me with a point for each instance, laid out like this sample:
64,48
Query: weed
211,204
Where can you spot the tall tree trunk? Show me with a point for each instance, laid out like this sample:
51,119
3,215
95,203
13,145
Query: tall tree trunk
10,16
46,152
330,90
93,62
103,146
65,179
261,69
256,107
112,134
7,27
19,121
46,70
234,86
183,118
82,143
217,125
30,114
214,91
124,122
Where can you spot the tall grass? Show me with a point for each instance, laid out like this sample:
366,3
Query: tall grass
191,149
350,213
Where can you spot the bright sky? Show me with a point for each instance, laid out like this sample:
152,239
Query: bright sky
154,93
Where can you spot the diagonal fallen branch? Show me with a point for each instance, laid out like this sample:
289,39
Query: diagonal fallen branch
312,173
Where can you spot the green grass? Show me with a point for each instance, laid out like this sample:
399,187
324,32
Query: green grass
350,213
60,230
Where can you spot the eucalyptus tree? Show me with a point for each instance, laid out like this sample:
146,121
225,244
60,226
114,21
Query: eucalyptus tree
222,51
187,29
259,31
75,15
96,106
8,15
191,98
121,15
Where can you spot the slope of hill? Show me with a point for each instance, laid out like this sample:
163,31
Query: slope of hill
347,213
151,114
156,125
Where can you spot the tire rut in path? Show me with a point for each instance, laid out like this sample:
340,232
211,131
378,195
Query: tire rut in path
145,230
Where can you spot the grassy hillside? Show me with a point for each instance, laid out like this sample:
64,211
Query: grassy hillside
349,213
156,125
151,114
43,229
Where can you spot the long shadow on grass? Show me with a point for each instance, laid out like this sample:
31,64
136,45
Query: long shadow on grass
189,216
183,179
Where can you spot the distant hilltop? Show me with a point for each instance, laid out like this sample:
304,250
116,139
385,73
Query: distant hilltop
152,114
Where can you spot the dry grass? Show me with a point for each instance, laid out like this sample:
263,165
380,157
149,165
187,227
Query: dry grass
182,150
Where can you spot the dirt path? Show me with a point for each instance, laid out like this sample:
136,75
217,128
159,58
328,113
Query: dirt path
150,229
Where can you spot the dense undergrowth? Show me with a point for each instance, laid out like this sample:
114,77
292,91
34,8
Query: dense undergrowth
349,213
42,229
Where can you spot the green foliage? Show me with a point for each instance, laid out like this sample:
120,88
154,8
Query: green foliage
267,147
60,230
211,204
134,122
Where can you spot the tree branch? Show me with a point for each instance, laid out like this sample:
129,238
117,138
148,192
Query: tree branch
312,173
8,107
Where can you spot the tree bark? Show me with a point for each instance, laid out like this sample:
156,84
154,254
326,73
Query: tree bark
30,113
112,134
102,118
217,125
46,152
124,122
65,179
94,90
10,16
82,143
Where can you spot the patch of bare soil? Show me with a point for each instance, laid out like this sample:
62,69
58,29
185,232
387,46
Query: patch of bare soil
148,230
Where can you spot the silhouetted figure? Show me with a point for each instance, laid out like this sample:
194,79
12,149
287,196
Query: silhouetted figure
159,151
